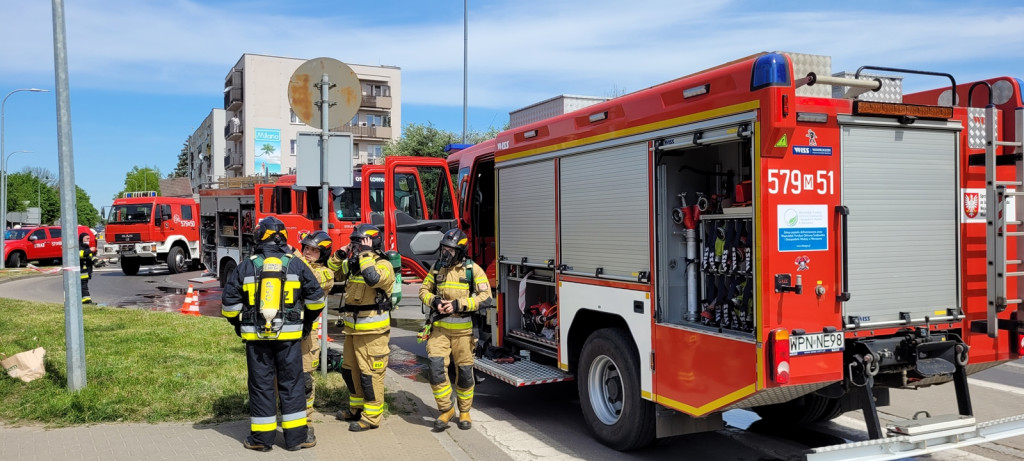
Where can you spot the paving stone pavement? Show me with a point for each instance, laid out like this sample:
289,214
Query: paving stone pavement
403,436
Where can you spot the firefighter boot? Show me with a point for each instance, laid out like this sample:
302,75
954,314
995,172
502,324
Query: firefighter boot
348,414
465,422
253,445
441,423
309,443
360,426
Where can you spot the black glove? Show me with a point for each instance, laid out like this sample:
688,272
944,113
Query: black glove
435,303
307,324
353,264
455,305
235,322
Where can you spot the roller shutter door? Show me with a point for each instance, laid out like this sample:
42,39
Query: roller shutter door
605,211
526,212
900,187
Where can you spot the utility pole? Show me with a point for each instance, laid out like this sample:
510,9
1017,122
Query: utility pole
74,333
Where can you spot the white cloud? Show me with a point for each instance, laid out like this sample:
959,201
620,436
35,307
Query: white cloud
520,51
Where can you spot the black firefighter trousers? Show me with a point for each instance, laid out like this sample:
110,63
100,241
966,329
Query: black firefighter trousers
282,360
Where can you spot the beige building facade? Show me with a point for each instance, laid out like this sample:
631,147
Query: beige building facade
260,130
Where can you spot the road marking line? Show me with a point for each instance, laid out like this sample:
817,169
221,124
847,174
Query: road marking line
996,386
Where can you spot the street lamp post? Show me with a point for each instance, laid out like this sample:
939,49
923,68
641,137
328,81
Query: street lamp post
3,173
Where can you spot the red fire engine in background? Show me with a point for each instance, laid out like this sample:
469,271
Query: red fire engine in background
229,214
145,229
760,235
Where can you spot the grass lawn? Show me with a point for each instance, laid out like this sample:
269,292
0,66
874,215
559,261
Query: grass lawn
141,366
11,274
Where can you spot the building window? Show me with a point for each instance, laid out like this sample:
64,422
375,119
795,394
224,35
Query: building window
374,152
294,143
378,90
387,120
374,120
354,121
295,118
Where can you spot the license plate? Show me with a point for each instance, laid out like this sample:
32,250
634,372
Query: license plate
127,250
816,343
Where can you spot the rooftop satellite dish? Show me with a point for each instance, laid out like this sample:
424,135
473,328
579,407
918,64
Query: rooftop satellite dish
345,95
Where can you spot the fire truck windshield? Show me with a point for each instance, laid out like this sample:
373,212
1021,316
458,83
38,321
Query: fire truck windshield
128,214
346,204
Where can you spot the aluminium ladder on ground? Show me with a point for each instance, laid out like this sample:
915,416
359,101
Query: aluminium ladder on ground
996,194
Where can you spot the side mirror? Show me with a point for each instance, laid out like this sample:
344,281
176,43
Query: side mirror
32,238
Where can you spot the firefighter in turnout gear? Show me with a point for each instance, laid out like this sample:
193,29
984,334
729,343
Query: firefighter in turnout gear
272,300
454,289
316,248
366,315
86,258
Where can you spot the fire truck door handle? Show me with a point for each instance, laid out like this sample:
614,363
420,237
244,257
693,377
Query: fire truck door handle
843,294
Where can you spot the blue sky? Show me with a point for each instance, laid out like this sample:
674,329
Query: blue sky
144,73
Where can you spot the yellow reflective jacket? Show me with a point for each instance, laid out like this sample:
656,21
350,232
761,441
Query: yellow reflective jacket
361,314
451,284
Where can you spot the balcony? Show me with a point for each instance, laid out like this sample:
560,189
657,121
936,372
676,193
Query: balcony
366,131
233,98
377,102
233,131
233,162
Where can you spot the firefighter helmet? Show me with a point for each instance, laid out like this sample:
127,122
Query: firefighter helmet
319,240
271,229
366,231
455,239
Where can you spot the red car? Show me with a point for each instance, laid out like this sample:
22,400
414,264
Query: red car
38,244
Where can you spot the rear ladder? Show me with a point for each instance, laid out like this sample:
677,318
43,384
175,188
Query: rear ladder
996,193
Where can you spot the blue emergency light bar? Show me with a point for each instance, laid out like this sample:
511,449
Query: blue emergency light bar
148,193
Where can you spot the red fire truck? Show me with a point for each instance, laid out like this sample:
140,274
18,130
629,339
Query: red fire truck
146,229
229,214
760,235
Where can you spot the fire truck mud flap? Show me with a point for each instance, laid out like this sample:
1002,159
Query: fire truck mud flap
522,372
927,438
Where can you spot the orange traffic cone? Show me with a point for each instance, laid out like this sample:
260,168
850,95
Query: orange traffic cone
191,304
320,329
193,309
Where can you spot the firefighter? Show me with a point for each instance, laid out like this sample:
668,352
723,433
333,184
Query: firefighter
366,315
316,248
454,289
86,258
272,300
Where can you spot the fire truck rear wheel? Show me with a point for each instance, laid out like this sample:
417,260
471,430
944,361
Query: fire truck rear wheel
226,268
176,262
130,266
608,381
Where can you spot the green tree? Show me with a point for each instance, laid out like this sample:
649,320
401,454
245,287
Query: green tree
181,170
35,187
421,140
141,179
87,214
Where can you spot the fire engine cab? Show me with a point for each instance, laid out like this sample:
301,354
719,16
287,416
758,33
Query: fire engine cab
146,229
765,235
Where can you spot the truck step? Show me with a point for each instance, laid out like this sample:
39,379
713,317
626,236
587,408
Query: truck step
898,446
522,372
929,424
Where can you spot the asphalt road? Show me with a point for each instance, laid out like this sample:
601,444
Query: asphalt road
545,422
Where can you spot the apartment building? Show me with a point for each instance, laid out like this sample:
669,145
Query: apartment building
206,147
260,130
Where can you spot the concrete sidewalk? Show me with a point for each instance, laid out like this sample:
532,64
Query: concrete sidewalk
405,434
